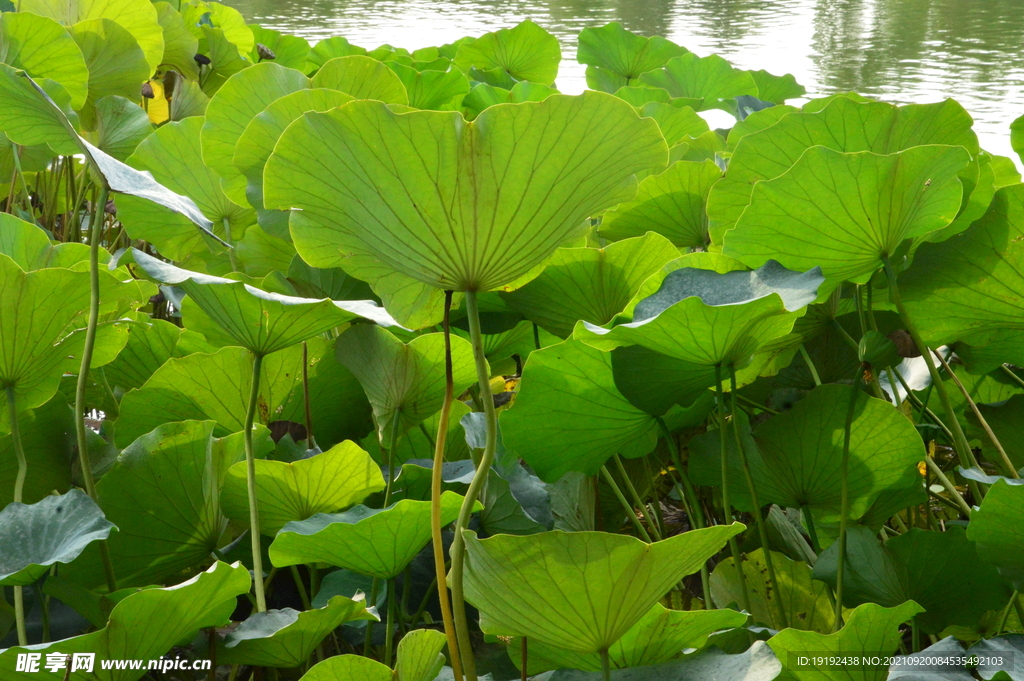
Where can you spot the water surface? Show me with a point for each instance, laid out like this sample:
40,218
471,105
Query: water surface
901,51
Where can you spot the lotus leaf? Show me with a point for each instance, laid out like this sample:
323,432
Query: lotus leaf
348,668
289,51
43,48
116,63
659,636
841,124
777,89
616,57
524,52
933,569
977,293
403,382
757,663
324,483
996,529
180,46
844,212
703,317
370,541
569,416
807,601
1003,418
432,90
671,204
147,624
54,530
710,79
27,119
581,591
120,126
377,206
285,638
419,655
47,432
868,628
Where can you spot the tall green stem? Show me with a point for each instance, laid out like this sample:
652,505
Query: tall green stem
734,547
19,488
392,445
95,227
435,497
810,365
310,440
963,449
844,467
389,627
811,531
761,529
606,666
651,520
458,551
250,462
630,512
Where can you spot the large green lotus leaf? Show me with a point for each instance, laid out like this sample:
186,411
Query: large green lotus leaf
53,530
940,571
432,90
138,17
655,383
259,321
659,636
348,668
484,95
998,530
523,52
163,495
704,317
361,77
671,204
43,48
869,630
808,603
590,283
121,125
198,15
327,482
289,50
777,89
1001,347
39,314
844,211
581,591
147,349
1004,418
993,653
475,211
968,287
48,432
173,156
757,121
370,541
36,112
28,119
677,123
180,46
615,57
238,100
419,655
569,416
710,78
801,450
404,382
257,142
843,124
116,63
226,59
287,637
757,663
147,624
28,246
193,387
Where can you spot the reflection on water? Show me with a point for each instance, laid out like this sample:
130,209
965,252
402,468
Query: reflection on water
900,50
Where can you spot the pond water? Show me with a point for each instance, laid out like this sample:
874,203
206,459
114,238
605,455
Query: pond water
902,51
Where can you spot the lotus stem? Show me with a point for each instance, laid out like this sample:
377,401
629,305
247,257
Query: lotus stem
844,468
250,461
606,666
95,227
435,496
811,531
651,521
458,551
19,488
1006,613
845,336
734,548
368,639
1016,379
922,406
810,365
389,627
690,501
626,506
392,445
762,530
945,482
1007,464
960,443
300,587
